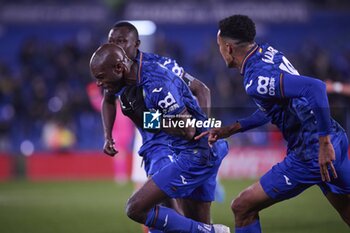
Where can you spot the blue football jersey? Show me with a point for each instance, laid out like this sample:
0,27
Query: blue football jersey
174,71
166,92
264,69
150,139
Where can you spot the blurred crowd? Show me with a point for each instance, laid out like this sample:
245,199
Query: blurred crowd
44,101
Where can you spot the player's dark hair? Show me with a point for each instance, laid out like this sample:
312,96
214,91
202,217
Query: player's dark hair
239,27
127,25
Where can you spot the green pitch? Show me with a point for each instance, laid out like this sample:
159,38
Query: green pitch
98,207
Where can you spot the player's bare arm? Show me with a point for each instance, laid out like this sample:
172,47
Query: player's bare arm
326,157
200,91
258,118
108,115
219,133
315,91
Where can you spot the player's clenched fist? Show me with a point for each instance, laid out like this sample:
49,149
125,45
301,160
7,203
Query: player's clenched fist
108,147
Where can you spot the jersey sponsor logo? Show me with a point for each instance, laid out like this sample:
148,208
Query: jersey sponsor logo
266,85
183,179
272,87
287,180
168,103
157,89
248,85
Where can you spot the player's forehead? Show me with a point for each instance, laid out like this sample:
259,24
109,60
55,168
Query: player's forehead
121,32
219,39
120,55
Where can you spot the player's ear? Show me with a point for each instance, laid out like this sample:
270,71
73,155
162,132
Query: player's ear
138,42
119,67
229,48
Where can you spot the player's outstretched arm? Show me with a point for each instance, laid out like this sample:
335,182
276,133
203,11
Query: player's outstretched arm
108,115
314,91
257,119
200,91
218,133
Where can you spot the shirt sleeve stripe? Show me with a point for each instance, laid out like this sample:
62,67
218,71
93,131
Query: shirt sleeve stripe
281,85
140,67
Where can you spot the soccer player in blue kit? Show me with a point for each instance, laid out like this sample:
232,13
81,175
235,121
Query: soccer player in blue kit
125,35
317,152
191,174
156,153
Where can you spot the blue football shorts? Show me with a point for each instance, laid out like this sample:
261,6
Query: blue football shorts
292,176
157,158
192,174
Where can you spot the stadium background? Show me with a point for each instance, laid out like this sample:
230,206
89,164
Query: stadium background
50,131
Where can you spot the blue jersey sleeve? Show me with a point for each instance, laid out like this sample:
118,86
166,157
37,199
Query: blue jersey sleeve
172,65
294,86
258,118
314,91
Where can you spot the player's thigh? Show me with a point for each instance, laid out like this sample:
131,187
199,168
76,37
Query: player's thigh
341,202
147,196
196,210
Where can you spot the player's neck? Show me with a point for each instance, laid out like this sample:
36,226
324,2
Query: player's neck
130,79
244,53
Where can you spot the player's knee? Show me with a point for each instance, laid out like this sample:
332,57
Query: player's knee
132,210
237,207
240,205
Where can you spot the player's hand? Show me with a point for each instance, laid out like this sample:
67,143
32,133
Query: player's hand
325,158
109,148
215,134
